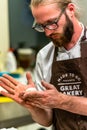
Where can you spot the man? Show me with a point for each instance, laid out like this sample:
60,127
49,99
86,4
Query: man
60,72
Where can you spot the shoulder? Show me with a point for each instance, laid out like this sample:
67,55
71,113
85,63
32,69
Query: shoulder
47,51
43,64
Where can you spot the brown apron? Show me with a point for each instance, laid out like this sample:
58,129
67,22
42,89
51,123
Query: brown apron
70,77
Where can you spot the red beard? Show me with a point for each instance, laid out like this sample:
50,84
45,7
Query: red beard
58,39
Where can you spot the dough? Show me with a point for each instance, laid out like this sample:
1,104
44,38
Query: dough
31,89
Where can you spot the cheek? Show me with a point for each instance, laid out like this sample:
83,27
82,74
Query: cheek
62,23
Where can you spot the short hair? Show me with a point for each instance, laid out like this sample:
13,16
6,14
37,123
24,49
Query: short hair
61,4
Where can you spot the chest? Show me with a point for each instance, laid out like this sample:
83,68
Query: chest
70,76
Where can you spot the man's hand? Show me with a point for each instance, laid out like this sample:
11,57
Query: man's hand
14,88
46,99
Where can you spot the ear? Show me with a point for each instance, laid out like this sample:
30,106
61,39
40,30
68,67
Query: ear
71,9
71,6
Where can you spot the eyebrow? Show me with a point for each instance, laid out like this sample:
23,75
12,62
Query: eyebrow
48,21
51,19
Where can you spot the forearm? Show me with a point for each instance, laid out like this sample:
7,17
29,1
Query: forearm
41,116
73,104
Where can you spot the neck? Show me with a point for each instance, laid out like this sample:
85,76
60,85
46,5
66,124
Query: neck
75,37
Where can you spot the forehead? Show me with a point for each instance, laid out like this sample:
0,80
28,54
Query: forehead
42,13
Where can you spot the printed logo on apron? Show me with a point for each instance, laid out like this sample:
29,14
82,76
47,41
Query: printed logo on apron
69,83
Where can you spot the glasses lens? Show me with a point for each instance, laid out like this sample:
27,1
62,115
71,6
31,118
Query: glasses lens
38,27
52,26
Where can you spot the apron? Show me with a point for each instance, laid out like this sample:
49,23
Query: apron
70,77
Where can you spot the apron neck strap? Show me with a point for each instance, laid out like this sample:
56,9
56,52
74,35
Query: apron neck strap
82,40
84,36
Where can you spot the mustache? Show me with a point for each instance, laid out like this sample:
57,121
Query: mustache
58,39
55,35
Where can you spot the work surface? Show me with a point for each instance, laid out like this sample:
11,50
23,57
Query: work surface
13,115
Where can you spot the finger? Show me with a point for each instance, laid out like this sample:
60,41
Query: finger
33,95
7,82
47,85
36,104
10,90
6,94
29,95
11,79
21,95
13,97
30,104
29,79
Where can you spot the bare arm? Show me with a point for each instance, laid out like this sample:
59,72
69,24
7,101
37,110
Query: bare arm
51,98
74,104
14,88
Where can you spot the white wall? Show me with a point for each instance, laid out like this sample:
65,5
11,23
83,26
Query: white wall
83,10
4,31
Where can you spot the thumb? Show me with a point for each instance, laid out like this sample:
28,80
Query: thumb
47,85
29,79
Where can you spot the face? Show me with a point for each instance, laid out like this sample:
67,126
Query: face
62,39
61,35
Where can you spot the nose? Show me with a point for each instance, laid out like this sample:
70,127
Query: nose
48,32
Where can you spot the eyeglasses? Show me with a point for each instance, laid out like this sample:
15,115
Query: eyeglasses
51,25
